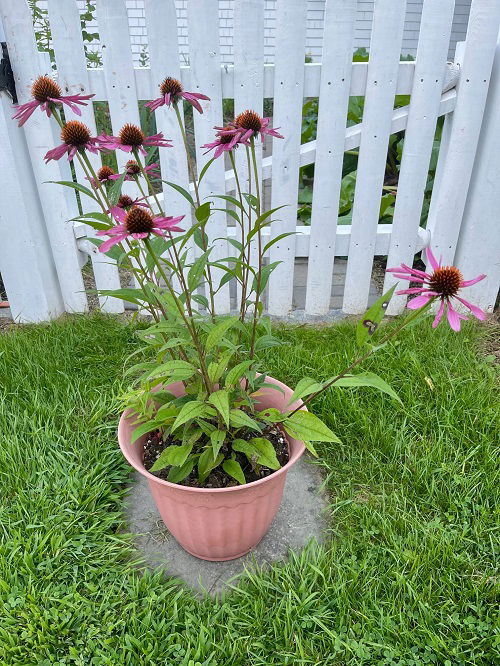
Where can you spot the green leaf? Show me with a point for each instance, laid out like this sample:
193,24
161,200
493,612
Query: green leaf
240,419
196,271
368,379
220,400
271,415
306,426
310,448
233,468
115,189
207,463
178,474
204,170
231,199
217,438
267,341
143,429
217,333
216,370
258,451
306,386
75,186
236,373
369,322
181,190
276,240
192,410
202,213
178,368
130,295
172,455
264,276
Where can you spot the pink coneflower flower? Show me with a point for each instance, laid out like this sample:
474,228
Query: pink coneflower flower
224,142
75,136
249,124
104,175
444,283
138,223
171,91
46,93
132,170
123,204
132,138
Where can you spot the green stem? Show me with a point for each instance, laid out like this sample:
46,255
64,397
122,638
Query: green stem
189,323
192,176
363,357
244,270
259,243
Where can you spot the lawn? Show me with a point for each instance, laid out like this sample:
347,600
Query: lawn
408,576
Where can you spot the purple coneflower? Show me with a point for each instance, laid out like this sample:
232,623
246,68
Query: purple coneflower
75,136
171,91
46,92
123,204
224,142
132,170
104,175
138,223
249,124
132,137
444,283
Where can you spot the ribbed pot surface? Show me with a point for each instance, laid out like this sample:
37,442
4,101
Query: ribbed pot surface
223,523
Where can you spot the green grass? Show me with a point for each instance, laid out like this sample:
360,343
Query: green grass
409,575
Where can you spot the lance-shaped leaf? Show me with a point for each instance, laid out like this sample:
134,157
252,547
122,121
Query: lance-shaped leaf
306,386
207,463
308,427
258,450
217,438
237,372
172,455
233,468
178,474
240,419
193,409
218,331
220,400
368,379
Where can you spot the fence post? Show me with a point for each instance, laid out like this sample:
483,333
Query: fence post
452,182
478,247
26,65
26,262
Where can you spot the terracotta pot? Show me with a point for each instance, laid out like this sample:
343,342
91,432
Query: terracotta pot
221,523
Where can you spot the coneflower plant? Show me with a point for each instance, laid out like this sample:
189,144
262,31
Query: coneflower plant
214,433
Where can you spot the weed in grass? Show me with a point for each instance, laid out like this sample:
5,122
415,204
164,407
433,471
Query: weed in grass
409,577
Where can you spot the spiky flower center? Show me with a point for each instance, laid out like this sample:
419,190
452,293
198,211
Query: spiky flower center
124,201
131,135
249,120
446,281
172,86
132,168
105,172
226,138
138,221
44,88
75,133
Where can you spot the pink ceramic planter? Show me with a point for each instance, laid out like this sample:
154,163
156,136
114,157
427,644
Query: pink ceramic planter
224,523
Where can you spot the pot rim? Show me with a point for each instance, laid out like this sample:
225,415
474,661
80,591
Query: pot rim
122,425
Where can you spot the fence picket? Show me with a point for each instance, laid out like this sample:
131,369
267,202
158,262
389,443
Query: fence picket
448,200
72,76
385,49
204,60
287,114
336,71
248,83
481,210
24,58
435,28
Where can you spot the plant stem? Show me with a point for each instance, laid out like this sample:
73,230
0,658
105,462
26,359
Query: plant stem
244,271
259,243
189,323
363,357
192,175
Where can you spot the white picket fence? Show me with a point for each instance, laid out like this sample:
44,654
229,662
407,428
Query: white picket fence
42,253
